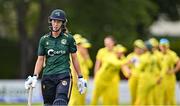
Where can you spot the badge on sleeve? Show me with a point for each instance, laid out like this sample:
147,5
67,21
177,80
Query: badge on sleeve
64,83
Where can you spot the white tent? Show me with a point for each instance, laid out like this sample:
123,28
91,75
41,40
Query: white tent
163,27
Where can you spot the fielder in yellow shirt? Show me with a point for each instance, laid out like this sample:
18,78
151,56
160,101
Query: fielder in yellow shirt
158,89
120,50
109,43
85,63
146,83
133,60
169,62
104,77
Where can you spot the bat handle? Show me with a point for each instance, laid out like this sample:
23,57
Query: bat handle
30,96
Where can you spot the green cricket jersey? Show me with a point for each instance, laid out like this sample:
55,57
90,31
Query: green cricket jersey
56,50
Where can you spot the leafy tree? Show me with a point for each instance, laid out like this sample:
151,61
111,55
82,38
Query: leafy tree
26,21
126,20
27,18
170,8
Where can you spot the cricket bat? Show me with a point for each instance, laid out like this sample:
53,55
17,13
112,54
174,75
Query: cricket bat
30,96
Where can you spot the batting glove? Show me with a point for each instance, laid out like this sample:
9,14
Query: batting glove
34,81
28,82
82,85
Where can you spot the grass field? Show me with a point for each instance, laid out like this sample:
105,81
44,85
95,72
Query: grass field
39,104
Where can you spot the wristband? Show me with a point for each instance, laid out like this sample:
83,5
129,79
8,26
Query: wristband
35,75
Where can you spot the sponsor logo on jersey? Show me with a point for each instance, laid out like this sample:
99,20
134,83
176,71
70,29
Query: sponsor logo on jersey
52,52
63,41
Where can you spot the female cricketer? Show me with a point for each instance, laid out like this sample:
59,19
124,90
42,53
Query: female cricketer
57,47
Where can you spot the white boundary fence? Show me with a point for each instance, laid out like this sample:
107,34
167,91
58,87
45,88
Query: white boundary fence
14,91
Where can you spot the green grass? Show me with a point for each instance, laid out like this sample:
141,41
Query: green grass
39,104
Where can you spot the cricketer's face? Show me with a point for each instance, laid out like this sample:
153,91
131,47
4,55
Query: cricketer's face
109,43
119,54
138,50
56,25
163,48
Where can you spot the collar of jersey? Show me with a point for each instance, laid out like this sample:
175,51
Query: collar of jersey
61,34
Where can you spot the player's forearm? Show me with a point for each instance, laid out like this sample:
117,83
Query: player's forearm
39,65
126,70
77,68
76,64
177,68
97,66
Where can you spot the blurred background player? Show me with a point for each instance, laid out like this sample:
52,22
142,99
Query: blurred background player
155,43
85,45
85,63
149,66
120,51
107,67
158,89
100,67
133,60
169,62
